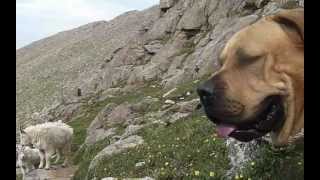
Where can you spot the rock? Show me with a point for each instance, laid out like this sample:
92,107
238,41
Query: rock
144,105
120,115
194,17
168,101
139,164
144,178
261,3
114,139
96,130
109,178
110,92
131,130
169,92
115,148
166,4
196,81
165,106
188,106
153,47
177,116
98,135
185,107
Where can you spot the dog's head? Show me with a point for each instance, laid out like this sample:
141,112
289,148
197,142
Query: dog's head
259,87
25,139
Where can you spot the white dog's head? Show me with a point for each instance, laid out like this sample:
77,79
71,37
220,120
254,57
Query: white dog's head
21,157
25,139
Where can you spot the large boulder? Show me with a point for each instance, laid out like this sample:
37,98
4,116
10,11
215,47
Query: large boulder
116,148
96,131
194,17
120,115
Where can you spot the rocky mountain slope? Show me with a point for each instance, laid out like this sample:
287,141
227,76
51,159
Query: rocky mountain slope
110,82
163,43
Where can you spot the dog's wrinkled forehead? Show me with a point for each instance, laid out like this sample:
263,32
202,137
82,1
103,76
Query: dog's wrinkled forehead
253,41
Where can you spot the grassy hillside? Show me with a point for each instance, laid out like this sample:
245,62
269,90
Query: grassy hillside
186,149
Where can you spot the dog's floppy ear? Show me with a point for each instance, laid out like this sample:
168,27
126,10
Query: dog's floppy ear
292,22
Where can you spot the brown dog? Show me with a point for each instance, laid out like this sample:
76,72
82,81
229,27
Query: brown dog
260,86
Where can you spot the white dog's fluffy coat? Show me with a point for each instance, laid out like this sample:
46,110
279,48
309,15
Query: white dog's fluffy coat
49,138
28,159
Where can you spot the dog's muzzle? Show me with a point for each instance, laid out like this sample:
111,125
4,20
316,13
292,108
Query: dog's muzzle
225,113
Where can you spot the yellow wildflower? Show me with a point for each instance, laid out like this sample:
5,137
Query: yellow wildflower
212,174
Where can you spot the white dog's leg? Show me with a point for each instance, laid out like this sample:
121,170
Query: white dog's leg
66,153
41,154
23,172
48,155
32,167
58,153
27,169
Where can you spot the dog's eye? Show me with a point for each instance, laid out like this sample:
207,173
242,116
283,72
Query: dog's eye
248,60
244,58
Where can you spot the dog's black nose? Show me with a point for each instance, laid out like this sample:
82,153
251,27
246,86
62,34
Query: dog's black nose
205,90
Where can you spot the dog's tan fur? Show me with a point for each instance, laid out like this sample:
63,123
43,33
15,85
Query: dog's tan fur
274,64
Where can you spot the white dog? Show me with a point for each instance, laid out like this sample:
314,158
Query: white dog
49,138
18,149
28,159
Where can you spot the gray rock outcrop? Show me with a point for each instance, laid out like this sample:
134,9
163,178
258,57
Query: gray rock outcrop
115,148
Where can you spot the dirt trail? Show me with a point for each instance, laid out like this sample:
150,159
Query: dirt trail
55,173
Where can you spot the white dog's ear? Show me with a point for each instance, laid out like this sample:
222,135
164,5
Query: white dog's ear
292,22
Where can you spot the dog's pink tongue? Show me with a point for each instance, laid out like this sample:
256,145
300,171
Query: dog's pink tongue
223,131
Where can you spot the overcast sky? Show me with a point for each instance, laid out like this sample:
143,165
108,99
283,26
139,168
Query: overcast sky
37,19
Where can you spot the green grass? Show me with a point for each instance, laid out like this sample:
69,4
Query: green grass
176,151
80,125
84,156
278,165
